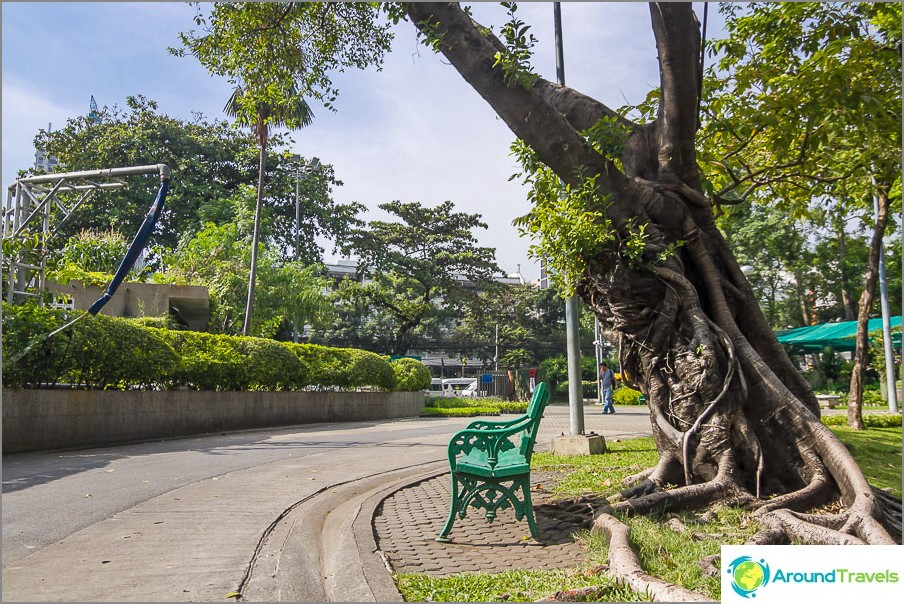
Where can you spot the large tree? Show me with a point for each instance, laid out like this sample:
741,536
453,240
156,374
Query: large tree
621,209
276,54
418,266
811,109
211,162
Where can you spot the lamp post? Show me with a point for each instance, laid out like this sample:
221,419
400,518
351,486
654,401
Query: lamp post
307,168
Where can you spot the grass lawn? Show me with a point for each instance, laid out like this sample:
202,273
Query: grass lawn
665,552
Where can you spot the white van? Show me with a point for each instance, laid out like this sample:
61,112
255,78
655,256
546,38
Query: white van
457,386
436,388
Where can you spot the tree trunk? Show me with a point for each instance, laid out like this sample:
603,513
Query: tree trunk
255,237
732,417
861,353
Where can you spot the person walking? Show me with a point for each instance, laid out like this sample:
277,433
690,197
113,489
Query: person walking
607,384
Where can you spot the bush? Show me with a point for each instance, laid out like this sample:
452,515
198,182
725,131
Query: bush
327,367
626,396
458,411
108,352
410,375
221,362
871,420
24,327
100,352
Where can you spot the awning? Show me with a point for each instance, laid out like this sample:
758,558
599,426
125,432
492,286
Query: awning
839,336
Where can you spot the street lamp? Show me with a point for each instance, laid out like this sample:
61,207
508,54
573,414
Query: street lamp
307,168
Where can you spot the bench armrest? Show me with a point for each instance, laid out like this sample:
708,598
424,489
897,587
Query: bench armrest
491,441
493,425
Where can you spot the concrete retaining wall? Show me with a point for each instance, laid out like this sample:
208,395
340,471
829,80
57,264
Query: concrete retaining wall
38,420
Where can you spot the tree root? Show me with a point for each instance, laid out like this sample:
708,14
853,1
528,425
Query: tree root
625,568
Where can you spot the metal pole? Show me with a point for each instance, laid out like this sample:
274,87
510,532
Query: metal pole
572,311
496,358
297,212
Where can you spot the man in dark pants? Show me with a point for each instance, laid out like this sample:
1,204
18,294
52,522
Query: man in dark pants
607,384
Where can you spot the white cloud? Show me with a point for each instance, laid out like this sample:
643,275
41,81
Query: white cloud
25,111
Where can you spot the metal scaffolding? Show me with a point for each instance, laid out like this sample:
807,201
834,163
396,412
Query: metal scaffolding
30,203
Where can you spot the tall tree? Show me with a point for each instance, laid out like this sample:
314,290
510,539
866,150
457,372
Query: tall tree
276,54
809,109
621,210
211,160
415,267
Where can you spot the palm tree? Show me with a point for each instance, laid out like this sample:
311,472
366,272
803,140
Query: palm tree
295,113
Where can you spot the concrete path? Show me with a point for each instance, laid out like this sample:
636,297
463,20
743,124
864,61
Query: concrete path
291,528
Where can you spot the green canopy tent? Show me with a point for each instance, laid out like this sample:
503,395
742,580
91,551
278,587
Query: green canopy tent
839,336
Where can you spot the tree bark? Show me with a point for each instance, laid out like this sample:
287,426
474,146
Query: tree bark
864,306
255,237
724,397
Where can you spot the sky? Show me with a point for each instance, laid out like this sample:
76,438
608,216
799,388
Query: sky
414,131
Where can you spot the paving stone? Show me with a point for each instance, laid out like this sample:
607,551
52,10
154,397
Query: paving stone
408,521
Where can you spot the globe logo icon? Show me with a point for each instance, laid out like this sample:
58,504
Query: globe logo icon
748,575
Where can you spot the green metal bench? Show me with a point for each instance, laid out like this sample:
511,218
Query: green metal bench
490,464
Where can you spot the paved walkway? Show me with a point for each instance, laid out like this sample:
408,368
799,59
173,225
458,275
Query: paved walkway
299,529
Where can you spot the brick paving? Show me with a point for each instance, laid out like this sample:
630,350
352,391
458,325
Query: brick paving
408,521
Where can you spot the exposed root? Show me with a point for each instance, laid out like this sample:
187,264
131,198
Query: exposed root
798,529
651,481
695,496
625,568
817,492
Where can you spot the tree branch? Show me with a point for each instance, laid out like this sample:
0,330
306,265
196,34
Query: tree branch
526,112
674,26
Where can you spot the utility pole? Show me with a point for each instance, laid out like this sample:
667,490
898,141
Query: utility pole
496,358
572,310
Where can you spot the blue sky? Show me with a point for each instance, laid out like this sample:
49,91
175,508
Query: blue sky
414,131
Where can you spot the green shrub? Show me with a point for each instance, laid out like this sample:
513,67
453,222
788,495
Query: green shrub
370,370
99,352
511,406
110,352
454,402
410,375
27,326
221,362
349,368
458,411
626,396
870,420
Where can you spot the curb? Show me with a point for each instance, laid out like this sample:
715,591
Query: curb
376,568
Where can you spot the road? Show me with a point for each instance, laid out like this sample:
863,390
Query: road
216,492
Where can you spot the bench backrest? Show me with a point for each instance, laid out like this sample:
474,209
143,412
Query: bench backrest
535,412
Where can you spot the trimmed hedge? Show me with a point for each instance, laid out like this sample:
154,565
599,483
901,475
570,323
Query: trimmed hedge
349,368
220,362
458,411
114,353
410,374
870,420
98,352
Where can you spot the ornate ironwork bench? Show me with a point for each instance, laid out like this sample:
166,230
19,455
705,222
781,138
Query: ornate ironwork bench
490,464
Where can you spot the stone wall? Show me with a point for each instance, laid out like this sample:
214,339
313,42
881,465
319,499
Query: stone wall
38,420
